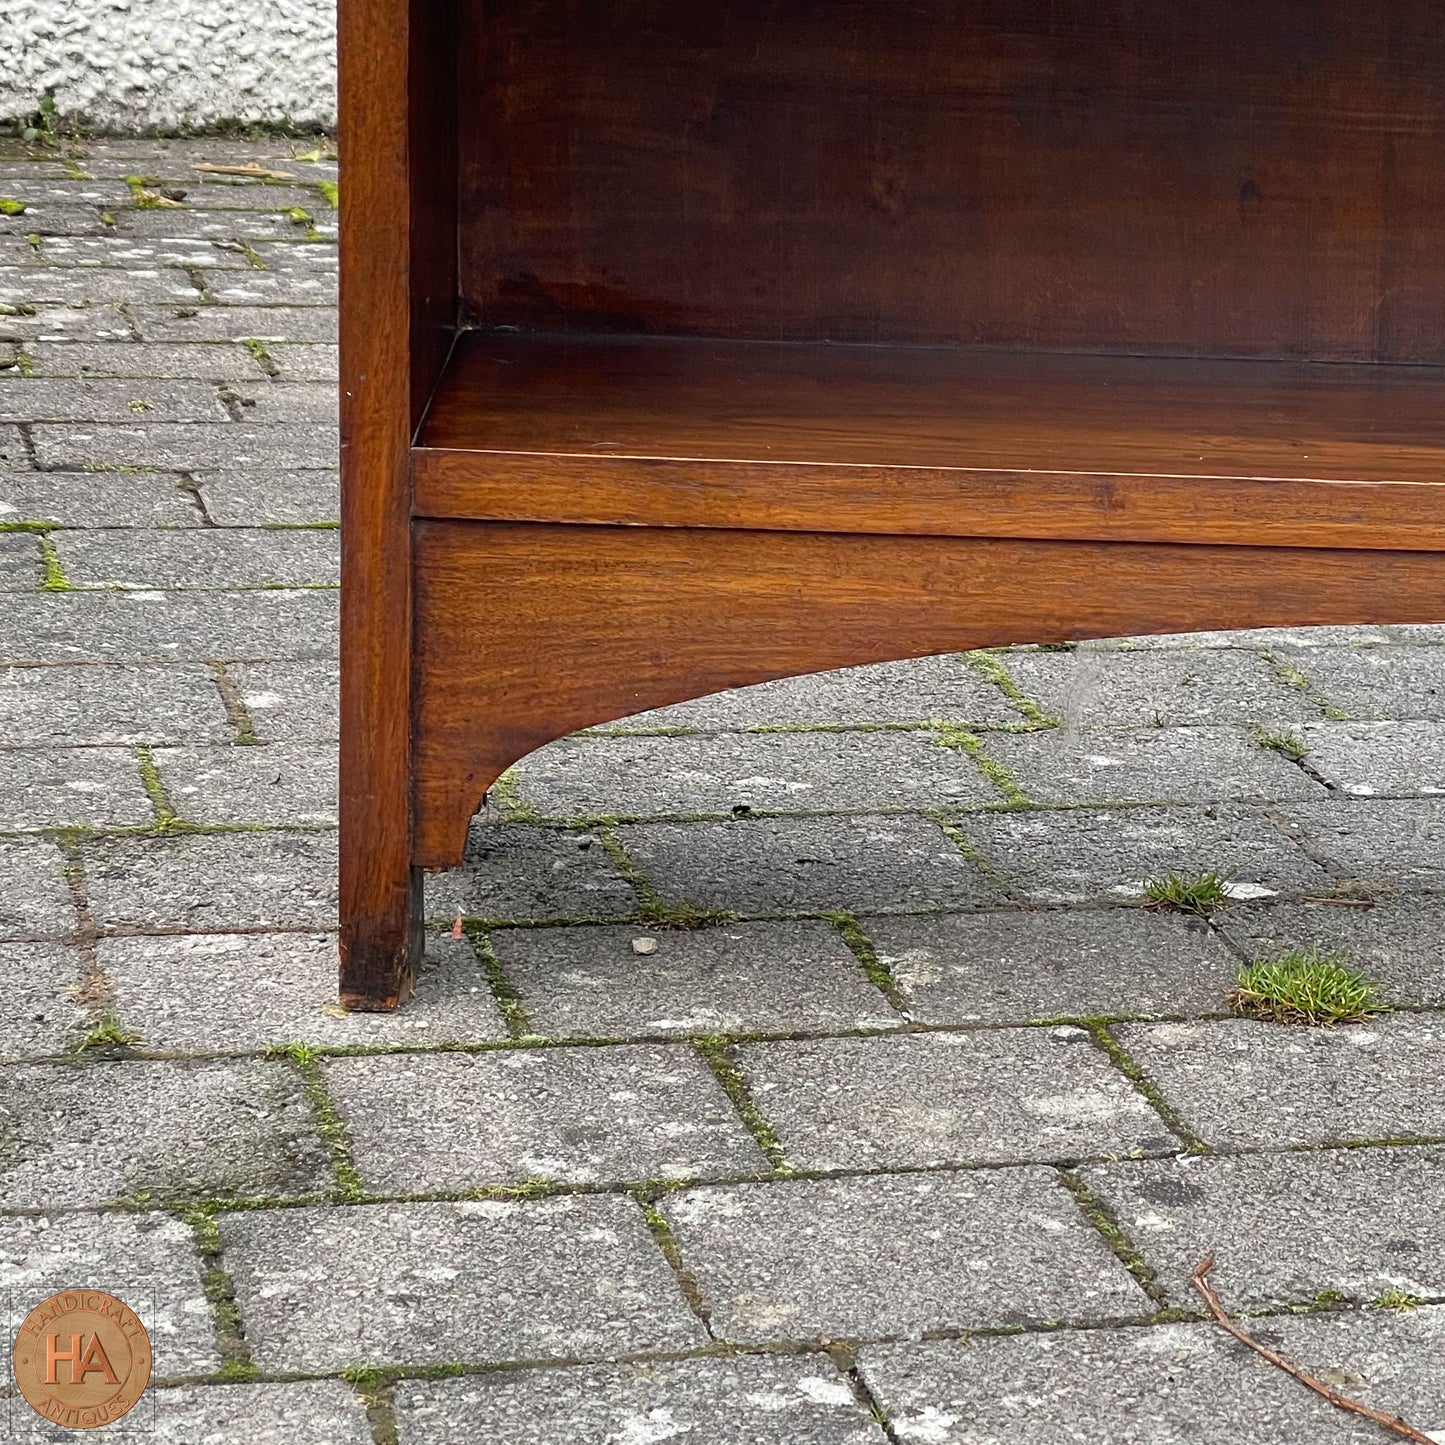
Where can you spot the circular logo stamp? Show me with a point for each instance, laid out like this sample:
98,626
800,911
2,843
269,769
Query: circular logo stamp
82,1359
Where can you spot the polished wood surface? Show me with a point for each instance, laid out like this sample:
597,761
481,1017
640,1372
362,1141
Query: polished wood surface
526,633
927,440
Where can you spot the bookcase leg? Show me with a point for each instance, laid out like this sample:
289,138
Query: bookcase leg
381,936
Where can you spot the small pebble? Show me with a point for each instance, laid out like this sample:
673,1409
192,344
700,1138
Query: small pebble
644,945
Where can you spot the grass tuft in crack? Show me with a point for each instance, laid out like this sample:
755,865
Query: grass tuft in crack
718,1056
861,946
1396,1299
236,1361
1198,893
329,1123
1305,986
1287,745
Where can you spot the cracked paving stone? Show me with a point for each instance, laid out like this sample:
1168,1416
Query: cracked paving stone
86,499
43,399
111,704
1110,853
1380,682
760,1400
1013,967
451,1122
203,361
915,1100
512,870
1389,843
741,978
71,787
277,783
1176,1384
321,1412
236,323
290,701
210,557
297,405
13,452
1149,765
306,361
211,1128
1396,941
165,989
35,899
784,772
1286,1227
1239,1083
20,568
1366,759
148,1259
261,498
482,1281
896,1255
39,1015
787,865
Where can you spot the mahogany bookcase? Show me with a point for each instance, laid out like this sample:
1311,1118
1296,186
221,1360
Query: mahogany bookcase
688,345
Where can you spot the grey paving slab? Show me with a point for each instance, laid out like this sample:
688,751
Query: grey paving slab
146,1259
324,1288
114,499
130,253
39,1015
1281,639
1089,853
797,865
1396,941
322,1412
298,405
1285,1227
234,194
182,992
54,218
112,703
291,256
275,783
35,900
923,689
233,323
169,626
208,558
103,322
263,288
251,498
896,1255
1242,1084
211,1128
290,701
62,399
1380,682
181,445
193,225
914,1100
1369,759
1418,634
1391,843
208,361
1090,687
20,566
777,772
1010,966
740,978
71,787
313,361
517,871
1185,1384
450,1122
762,1400
62,286
1196,764
13,454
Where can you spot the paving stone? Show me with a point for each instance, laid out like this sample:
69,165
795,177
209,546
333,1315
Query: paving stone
207,361
243,195
39,1016
1365,759
785,772
209,558
1010,966
34,897
760,1400
1285,1227
63,286
1185,1384
20,567
115,499
111,703
194,225
263,288
74,190
99,323
1384,843
741,978
60,399
492,1280
71,787
924,689
1282,639
290,256
425,1122
129,253
290,701
211,1128
13,455
795,865
896,1255
1093,688
252,498
914,1100
1073,856
1380,682
1396,941
291,404
146,1259
278,783
53,218
308,362
181,992
321,1412
168,626
516,871
181,446
1197,765
1420,634
1239,1083
236,323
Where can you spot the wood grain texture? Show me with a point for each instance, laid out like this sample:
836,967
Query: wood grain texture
1260,177
527,633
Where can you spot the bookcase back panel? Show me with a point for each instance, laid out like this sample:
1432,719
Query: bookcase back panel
1230,177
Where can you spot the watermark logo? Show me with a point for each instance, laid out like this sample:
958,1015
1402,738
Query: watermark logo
82,1359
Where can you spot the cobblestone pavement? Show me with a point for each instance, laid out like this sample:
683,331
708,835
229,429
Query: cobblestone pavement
915,1136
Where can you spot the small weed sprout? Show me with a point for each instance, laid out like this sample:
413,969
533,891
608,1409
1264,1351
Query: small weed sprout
1200,893
1395,1299
1305,986
1287,745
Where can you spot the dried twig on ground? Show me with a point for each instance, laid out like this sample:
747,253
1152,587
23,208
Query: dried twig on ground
1340,1402
256,172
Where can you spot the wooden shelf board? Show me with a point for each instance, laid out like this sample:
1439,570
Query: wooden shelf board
684,432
